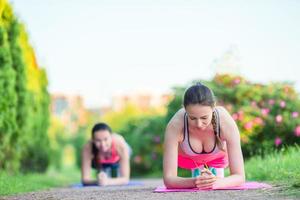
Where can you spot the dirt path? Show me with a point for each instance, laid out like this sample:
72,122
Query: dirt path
145,191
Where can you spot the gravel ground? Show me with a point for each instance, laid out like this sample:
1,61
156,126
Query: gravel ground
145,191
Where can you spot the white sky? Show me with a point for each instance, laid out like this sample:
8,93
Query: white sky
99,48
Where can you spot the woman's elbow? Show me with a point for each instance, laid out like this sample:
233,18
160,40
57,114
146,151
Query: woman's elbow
126,180
168,182
87,182
242,179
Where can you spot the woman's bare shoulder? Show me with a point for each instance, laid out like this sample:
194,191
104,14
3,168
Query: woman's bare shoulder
223,113
228,125
119,140
175,126
178,118
117,137
87,148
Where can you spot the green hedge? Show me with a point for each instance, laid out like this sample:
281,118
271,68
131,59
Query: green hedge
24,102
145,136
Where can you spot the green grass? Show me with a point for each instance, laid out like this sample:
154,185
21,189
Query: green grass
280,168
20,183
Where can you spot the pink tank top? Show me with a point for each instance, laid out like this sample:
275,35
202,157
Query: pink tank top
190,159
114,156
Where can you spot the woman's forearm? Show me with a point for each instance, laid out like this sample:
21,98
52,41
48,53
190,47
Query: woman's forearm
118,181
229,181
179,182
89,182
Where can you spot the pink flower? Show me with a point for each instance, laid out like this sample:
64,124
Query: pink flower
229,107
286,89
278,119
248,125
295,114
253,103
282,104
277,141
297,131
236,81
235,116
258,120
271,101
156,139
154,156
265,111
240,115
137,159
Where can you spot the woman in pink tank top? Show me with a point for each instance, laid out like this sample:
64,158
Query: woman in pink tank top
202,134
106,152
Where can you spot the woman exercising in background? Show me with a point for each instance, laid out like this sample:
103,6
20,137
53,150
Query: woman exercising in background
105,152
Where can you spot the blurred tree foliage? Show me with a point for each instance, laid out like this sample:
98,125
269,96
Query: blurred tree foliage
24,102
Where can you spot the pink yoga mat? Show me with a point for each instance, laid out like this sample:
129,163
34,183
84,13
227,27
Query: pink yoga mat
245,186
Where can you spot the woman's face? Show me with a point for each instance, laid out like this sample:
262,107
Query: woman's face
102,140
199,116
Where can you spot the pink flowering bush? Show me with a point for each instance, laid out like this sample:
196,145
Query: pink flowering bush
267,114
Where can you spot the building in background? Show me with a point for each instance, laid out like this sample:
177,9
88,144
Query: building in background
69,110
143,101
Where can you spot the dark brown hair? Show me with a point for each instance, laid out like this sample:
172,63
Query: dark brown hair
98,127
202,95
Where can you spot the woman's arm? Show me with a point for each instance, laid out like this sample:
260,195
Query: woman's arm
170,157
86,162
230,132
124,165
